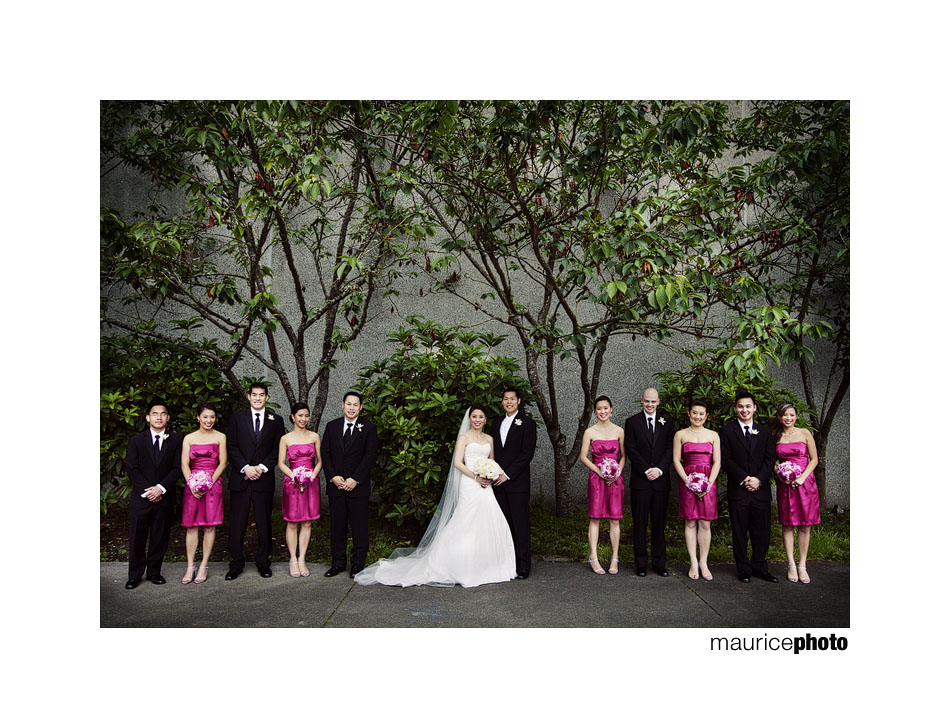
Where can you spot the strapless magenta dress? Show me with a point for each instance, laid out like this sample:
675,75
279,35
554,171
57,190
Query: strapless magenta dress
797,506
603,500
209,509
303,506
697,458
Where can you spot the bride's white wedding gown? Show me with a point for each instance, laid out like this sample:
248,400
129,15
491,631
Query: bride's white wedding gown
474,547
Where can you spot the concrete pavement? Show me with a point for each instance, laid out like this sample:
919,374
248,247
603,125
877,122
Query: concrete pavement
557,594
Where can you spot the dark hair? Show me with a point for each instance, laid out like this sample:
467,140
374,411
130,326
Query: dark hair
777,427
257,385
743,394
509,388
205,406
603,398
353,393
473,407
295,408
698,402
156,403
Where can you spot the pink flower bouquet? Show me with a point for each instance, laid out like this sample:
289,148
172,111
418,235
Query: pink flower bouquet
698,483
200,481
788,471
303,476
609,470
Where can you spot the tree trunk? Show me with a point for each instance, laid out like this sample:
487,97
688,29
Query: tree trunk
563,500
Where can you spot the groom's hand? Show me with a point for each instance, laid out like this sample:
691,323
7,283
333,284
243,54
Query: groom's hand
500,479
338,481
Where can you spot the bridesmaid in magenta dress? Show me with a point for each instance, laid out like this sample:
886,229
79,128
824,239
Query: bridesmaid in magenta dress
696,450
301,506
204,450
604,495
797,500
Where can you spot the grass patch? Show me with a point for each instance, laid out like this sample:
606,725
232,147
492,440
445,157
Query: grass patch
552,538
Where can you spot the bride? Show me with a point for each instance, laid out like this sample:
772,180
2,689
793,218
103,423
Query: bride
468,541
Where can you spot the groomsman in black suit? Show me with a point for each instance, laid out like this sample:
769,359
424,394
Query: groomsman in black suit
153,462
748,455
648,441
349,450
515,437
253,438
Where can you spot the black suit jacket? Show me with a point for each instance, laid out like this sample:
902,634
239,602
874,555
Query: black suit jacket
741,458
643,454
355,461
144,472
515,455
243,449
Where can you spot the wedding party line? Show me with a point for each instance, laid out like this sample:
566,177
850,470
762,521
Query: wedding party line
480,531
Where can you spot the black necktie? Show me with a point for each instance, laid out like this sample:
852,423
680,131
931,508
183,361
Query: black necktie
257,424
650,424
348,434
748,435
156,448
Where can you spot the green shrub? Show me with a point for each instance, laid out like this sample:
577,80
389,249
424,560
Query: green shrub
417,398
134,370
704,377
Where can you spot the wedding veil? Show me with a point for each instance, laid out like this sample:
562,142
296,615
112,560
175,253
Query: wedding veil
408,558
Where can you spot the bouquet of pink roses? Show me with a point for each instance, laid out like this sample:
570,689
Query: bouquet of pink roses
486,468
609,470
788,471
200,482
303,476
698,483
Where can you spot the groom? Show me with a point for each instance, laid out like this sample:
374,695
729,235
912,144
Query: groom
253,438
515,436
748,455
349,449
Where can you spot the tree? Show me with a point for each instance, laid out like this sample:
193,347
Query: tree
417,397
576,222
797,189
288,186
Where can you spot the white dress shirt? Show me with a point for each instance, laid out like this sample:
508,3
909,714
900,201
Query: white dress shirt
505,426
161,445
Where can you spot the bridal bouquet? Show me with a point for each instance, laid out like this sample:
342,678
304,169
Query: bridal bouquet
486,468
788,471
200,481
303,476
698,483
609,470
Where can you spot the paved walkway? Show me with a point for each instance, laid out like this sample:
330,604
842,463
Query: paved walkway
557,594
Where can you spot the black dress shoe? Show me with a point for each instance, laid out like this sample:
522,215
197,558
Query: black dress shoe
661,572
767,577
521,576
334,570
641,572
356,570
232,574
744,579
265,571
132,583
157,579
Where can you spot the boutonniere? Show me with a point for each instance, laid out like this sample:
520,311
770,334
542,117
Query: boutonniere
518,422
270,417
661,420
164,436
359,426
754,432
